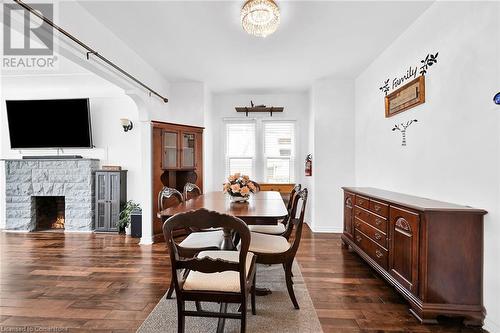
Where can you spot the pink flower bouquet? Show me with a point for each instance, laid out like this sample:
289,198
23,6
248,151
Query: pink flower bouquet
239,187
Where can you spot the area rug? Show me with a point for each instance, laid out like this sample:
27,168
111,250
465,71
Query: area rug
275,312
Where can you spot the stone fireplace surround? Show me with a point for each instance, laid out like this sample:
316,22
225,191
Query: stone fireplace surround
29,178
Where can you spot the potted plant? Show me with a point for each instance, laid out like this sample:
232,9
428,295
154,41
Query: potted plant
125,214
239,187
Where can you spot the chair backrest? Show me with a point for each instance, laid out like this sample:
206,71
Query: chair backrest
204,218
191,191
257,186
295,220
169,197
295,189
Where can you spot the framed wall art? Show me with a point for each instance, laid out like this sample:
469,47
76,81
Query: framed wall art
406,97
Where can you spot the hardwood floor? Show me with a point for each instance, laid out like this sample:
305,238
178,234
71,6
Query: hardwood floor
95,282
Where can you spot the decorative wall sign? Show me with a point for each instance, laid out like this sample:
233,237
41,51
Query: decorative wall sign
406,97
402,128
496,99
410,74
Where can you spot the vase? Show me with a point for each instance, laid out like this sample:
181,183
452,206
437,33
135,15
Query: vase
239,199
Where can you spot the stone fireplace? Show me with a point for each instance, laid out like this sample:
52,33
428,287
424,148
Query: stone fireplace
45,194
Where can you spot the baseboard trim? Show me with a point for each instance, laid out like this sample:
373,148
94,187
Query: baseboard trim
491,326
334,230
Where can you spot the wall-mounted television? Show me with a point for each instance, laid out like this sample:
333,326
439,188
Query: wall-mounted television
51,123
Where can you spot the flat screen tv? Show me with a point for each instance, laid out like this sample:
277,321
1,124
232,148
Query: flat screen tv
54,123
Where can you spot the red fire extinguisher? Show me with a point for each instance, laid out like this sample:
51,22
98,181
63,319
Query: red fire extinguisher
309,165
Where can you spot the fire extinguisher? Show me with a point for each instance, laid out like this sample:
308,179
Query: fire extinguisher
309,165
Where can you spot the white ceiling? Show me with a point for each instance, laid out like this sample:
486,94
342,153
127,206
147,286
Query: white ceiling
204,41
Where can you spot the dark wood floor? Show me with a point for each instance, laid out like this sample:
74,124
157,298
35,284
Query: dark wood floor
96,282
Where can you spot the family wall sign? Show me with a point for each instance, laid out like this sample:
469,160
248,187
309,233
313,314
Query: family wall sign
408,89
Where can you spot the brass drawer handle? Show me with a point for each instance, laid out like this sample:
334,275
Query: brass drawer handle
378,236
361,201
377,208
358,212
357,224
378,221
379,254
358,239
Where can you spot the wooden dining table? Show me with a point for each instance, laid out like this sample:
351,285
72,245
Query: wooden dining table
265,207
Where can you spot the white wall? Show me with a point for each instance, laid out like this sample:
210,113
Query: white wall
296,108
453,151
332,113
107,104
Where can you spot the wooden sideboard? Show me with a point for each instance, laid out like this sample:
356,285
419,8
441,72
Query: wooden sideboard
430,251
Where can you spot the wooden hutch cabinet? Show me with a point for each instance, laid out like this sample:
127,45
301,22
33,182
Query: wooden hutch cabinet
430,251
177,159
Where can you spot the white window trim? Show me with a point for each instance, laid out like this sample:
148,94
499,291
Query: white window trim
259,158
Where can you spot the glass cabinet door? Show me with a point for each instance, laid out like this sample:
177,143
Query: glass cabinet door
170,149
188,143
114,200
101,201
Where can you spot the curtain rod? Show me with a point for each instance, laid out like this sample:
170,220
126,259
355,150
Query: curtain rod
88,49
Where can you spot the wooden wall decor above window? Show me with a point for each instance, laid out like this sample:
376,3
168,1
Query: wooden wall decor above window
259,108
406,97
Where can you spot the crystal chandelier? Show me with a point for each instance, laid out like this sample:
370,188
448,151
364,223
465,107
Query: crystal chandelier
260,17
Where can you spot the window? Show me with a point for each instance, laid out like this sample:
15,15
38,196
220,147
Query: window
263,150
279,151
240,148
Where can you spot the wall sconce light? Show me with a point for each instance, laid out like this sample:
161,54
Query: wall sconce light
127,124
496,99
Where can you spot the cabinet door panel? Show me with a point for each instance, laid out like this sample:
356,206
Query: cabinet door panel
101,201
170,150
188,150
348,216
114,200
403,254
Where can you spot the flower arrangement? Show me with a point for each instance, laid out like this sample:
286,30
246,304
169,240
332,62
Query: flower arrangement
239,187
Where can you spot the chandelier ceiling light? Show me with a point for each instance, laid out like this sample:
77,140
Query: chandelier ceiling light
260,17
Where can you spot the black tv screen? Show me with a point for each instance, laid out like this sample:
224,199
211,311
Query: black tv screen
54,123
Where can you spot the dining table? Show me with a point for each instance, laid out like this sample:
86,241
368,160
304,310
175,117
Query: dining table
265,207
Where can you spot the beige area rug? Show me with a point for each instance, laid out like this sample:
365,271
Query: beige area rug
275,312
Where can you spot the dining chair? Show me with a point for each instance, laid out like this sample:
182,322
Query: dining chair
257,186
211,276
191,191
280,227
194,241
272,249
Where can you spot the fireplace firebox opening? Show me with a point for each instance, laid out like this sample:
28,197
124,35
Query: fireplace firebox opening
49,212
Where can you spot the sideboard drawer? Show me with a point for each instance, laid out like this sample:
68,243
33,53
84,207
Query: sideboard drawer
376,252
378,222
362,214
379,208
376,235
362,202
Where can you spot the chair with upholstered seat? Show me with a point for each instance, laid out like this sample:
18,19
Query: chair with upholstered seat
211,276
272,249
280,227
195,241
